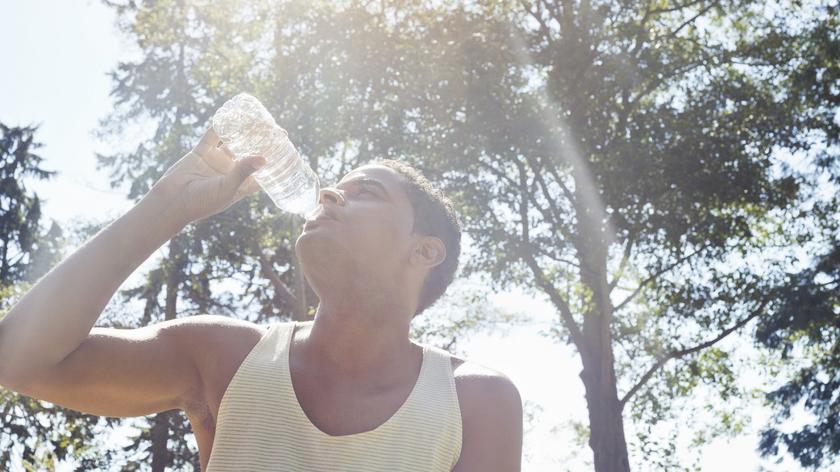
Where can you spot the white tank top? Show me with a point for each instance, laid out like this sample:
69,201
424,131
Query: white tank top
262,427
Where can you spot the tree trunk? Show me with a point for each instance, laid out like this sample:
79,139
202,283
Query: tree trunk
5,265
606,425
175,276
160,438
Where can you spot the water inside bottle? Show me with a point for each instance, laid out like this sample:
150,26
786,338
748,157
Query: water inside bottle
247,128
292,186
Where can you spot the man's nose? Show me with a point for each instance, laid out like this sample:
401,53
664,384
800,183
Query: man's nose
331,194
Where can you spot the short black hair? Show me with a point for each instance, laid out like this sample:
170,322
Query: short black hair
434,215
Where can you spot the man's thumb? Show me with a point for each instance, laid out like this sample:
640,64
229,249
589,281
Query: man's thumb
241,170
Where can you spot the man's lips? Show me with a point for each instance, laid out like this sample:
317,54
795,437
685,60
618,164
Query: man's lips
321,217
316,222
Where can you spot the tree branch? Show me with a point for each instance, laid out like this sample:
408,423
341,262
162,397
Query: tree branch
562,260
656,276
628,247
627,107
566,191
549,218
684,352
498,173
693,18
554,296
536,13
657,11
523,205
525,251
555,211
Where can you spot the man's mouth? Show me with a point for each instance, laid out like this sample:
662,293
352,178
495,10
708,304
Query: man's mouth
320,218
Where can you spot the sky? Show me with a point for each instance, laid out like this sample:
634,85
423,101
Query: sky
56,66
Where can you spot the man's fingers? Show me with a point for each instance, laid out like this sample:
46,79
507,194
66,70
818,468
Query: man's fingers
241,172
209,141
222,147
249,187
215,153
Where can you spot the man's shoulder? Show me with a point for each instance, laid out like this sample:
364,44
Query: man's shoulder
491,414
479,385
206,322
216,341
204,325
465,370
219,345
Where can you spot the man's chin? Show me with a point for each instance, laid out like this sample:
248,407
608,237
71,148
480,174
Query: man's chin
316,245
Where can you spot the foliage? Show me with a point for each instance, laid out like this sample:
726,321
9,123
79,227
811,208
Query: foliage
805,331
45,432
808,322
623,158
604,153
620,157
26,252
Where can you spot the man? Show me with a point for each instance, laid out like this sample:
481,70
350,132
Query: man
382,246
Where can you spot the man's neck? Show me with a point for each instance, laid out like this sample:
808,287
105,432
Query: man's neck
358,342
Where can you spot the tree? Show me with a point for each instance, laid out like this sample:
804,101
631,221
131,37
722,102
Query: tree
46,433
26,254
806,326
809,321
619,157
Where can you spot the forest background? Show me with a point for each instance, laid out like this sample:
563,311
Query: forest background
648,193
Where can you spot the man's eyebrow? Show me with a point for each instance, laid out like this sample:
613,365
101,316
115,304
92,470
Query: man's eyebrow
375,183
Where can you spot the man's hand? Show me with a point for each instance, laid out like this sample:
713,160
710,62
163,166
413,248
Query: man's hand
207,180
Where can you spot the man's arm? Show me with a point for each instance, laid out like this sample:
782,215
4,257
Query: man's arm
138,372
492,426
55,316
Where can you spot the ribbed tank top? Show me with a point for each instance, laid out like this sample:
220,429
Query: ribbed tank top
262,427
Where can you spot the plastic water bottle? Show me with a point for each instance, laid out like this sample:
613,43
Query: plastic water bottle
247,128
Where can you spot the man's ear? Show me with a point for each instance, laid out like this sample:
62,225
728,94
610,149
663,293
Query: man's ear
428,252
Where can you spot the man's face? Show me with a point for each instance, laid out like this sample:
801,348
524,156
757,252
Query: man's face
361,233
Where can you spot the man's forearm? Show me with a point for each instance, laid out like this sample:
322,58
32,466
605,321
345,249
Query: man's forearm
56,315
